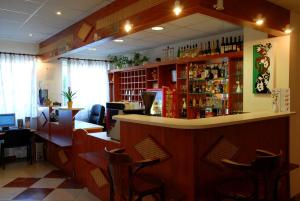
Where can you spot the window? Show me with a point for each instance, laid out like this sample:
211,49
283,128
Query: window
89,80
18,89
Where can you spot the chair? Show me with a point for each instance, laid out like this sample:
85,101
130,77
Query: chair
261,178
97,115
126,183
16,138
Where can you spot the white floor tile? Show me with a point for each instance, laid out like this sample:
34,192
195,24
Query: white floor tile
10,193
4,181
47,183
63,195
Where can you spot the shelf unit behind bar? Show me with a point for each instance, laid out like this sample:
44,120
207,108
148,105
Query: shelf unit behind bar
128,83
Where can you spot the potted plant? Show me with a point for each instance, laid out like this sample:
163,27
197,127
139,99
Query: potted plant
69,95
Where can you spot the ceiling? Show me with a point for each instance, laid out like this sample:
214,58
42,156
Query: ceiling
288,4
21,18
186,28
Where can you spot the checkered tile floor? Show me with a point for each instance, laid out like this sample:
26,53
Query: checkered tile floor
39,182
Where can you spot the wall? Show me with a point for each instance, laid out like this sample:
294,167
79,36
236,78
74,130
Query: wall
18,47
254,102
295,101
49,77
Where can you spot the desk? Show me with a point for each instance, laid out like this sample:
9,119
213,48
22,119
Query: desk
90,128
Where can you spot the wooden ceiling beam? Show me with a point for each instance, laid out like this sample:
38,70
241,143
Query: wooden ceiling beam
108,21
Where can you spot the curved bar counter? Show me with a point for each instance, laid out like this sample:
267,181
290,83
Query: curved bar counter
191,150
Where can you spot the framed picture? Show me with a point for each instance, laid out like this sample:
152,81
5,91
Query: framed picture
263,67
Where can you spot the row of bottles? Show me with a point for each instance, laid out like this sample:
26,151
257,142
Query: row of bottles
204,107
213,47
209,88
208,71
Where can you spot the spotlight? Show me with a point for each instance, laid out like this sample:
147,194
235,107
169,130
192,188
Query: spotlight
177,8
219,5
127,26
287,29
259,20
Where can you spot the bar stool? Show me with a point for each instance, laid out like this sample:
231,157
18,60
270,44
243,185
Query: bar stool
126,183
260,181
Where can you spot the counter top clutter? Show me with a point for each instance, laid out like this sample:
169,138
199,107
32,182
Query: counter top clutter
201,123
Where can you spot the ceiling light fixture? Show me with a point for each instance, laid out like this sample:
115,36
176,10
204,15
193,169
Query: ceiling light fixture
92,49
157,28
30,35
219,5
58,13
177,8
287,29
259,20
119,40
128,26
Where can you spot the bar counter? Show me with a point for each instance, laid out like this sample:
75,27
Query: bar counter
191,150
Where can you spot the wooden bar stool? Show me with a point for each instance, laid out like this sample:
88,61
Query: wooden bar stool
260,180
126,183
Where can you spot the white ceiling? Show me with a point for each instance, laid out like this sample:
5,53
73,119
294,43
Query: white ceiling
186,28
288,4
19,18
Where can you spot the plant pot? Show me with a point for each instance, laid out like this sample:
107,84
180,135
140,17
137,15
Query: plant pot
70,104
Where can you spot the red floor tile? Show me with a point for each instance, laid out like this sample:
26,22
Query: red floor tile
56,174
70,183
22,182
34,194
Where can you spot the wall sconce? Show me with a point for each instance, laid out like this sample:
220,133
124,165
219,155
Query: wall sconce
287,29
128,26
259,20
177,8
219,5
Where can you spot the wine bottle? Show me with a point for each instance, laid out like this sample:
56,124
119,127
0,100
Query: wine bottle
238,46
234,44
218,51
178,52
222,46
208,48
226,45
230,45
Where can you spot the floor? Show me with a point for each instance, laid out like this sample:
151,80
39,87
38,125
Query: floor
37,182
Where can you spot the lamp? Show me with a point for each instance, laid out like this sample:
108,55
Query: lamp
177,8
259,20
219,5
287,29
127,26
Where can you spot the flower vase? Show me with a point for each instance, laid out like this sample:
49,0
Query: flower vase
70,104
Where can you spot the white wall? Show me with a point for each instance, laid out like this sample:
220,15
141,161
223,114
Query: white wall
295,101
18,47
259,102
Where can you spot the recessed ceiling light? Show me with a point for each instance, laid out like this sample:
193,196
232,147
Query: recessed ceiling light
58,13
92,49
30,35
157,28
119,40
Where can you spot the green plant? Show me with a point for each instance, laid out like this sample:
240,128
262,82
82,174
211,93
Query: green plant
69,94
138,59
119,61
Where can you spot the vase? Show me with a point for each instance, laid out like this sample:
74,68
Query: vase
70,104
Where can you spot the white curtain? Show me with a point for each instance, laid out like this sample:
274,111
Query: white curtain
18,89
90,82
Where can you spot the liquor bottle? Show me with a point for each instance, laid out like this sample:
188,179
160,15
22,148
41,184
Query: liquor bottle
230,45
239,44
226,46
222,46
234,45
183,111
178,52
213,49
200,49
208,48
204,49
218,51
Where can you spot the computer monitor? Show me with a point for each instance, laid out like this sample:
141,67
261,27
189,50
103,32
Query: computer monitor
7,120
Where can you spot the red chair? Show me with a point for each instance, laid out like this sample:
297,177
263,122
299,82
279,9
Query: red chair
126,181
